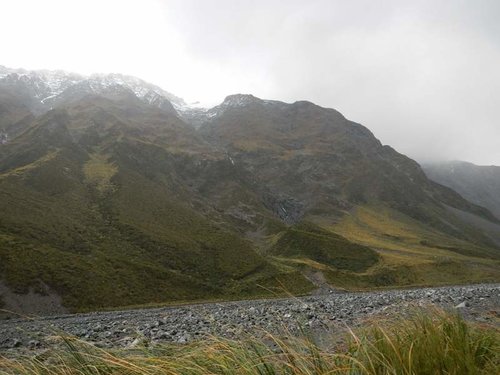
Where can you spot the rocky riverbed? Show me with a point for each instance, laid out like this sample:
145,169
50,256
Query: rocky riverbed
321,314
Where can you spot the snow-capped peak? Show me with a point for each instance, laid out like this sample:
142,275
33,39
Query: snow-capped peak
48,85
142,89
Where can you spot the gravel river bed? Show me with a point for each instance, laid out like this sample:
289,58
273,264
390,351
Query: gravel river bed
320,314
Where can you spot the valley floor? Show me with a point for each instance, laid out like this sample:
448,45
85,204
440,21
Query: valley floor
319,315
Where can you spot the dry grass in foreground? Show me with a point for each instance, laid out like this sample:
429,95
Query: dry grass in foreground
436,343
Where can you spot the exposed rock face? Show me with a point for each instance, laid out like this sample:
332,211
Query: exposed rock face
43,301
287,209
322,162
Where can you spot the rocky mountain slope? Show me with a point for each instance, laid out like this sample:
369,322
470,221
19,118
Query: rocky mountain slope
113,194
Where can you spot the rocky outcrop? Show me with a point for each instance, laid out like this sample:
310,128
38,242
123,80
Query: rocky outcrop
43,301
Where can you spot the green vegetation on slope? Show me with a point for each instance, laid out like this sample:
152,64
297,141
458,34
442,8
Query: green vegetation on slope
309,241
411,253
407,252
109,224
112,202
98,172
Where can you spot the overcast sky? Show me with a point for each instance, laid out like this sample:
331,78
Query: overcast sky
424,76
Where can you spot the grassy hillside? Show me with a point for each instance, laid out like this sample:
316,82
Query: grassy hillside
307,241
108,224
411,253
112,202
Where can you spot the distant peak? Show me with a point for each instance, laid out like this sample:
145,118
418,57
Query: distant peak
239,100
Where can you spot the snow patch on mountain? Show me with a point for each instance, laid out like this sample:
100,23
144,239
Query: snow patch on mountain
198,116
47,85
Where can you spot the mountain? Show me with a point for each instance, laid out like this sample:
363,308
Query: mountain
45,89
109,198
478,184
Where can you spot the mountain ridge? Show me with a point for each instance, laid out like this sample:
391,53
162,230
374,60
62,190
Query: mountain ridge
48,85
111,199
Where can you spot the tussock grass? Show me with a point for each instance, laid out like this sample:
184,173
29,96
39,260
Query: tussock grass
423,344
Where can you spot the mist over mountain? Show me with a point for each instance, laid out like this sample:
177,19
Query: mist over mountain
478,184
115,192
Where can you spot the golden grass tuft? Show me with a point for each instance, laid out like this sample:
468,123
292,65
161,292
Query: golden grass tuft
435,343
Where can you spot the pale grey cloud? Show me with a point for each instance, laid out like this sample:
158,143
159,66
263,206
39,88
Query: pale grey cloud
423,75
